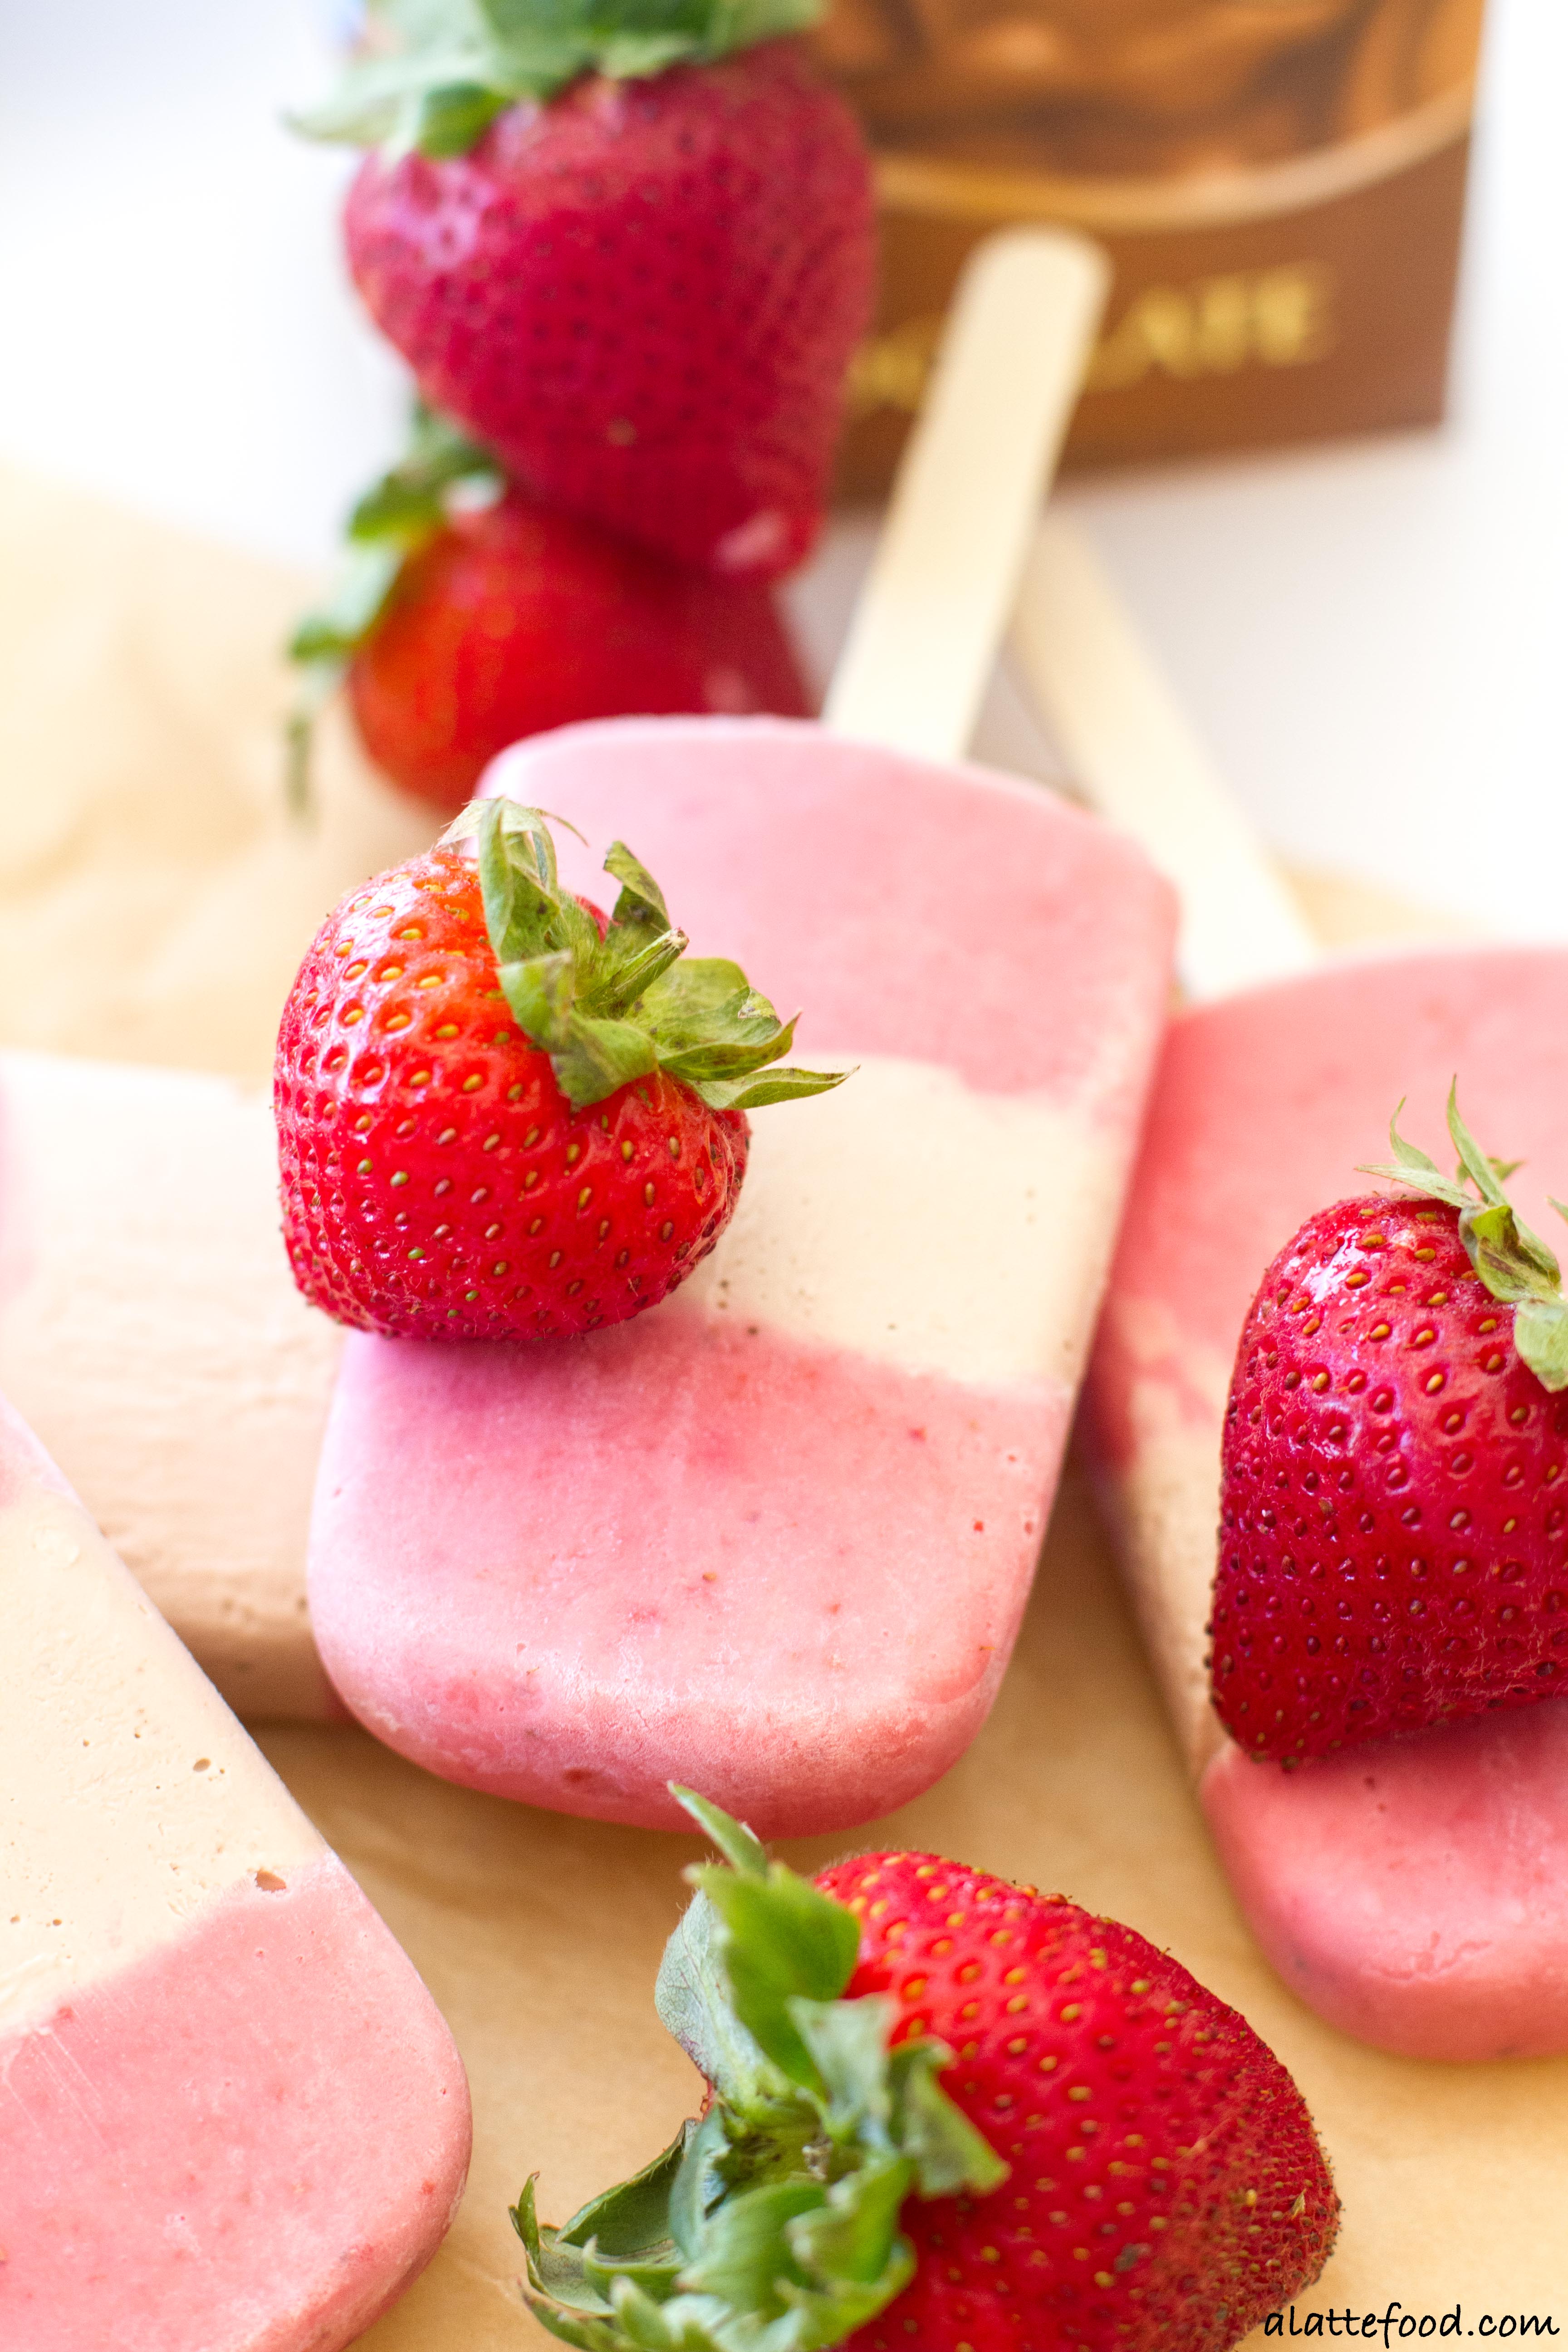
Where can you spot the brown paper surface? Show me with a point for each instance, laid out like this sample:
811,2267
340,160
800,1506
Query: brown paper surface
154,905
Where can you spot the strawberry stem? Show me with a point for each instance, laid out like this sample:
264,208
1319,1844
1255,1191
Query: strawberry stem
433,74
612,1008
1515,1265
773,2223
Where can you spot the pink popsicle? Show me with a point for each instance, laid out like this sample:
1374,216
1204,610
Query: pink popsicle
1414,1892
231,2119
776,1537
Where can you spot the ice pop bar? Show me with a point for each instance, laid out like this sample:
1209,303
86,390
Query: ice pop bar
1413,1891
774,1537
150,1331
778,1533
231,2119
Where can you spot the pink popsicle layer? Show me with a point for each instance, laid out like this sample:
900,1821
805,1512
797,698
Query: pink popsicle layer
231,2119
1411,1891
663,1607
774,1537
250,2139
1414,1893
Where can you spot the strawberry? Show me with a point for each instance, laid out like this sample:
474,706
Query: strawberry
514,620
634,258
462,627
1394,1536
501,1116
1112,2158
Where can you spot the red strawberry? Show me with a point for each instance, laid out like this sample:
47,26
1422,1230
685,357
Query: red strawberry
641,285
1112,2157
512,620
1394,1539
501,1117
465,618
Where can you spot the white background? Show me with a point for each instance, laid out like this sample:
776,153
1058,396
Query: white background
1370,634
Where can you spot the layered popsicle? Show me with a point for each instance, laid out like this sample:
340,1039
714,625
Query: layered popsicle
233,2120
776,1534
152,1335
1411,1889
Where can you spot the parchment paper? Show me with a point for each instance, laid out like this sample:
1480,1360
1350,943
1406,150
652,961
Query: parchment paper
152,905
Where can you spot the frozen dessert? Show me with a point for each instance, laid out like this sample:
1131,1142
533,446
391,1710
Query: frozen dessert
234,2115
1410,1890
1407,1888
152,1335
776,1534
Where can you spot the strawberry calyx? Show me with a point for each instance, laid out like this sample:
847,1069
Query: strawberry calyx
772,2224
435,74
396,517
613,1004
1515,1265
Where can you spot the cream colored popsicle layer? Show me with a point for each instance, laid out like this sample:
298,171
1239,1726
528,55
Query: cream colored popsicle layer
231,2119
151,1331
1412,1891
774,1537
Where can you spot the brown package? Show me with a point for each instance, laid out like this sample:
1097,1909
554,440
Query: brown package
1280,184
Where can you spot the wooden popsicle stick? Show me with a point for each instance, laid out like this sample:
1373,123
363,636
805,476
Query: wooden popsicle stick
931,614
1132,753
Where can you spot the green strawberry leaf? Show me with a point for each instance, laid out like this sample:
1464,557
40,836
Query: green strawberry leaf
772,2225
778,1086
847,2042
781,1937
850,2249
1411,1166
740,1847
1515,1264
1541,1335
692,1998
435,73
345,616
641,899
612,1008
596,1058
746,2256
946,2150
631,2222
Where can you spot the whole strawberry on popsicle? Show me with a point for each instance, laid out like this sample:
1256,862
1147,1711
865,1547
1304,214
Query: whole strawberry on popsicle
631,249
498,1115
1394,1541
943,2112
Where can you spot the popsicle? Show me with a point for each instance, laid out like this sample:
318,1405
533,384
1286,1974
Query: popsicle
1413,1891
154,1340
774,1536
231,2118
